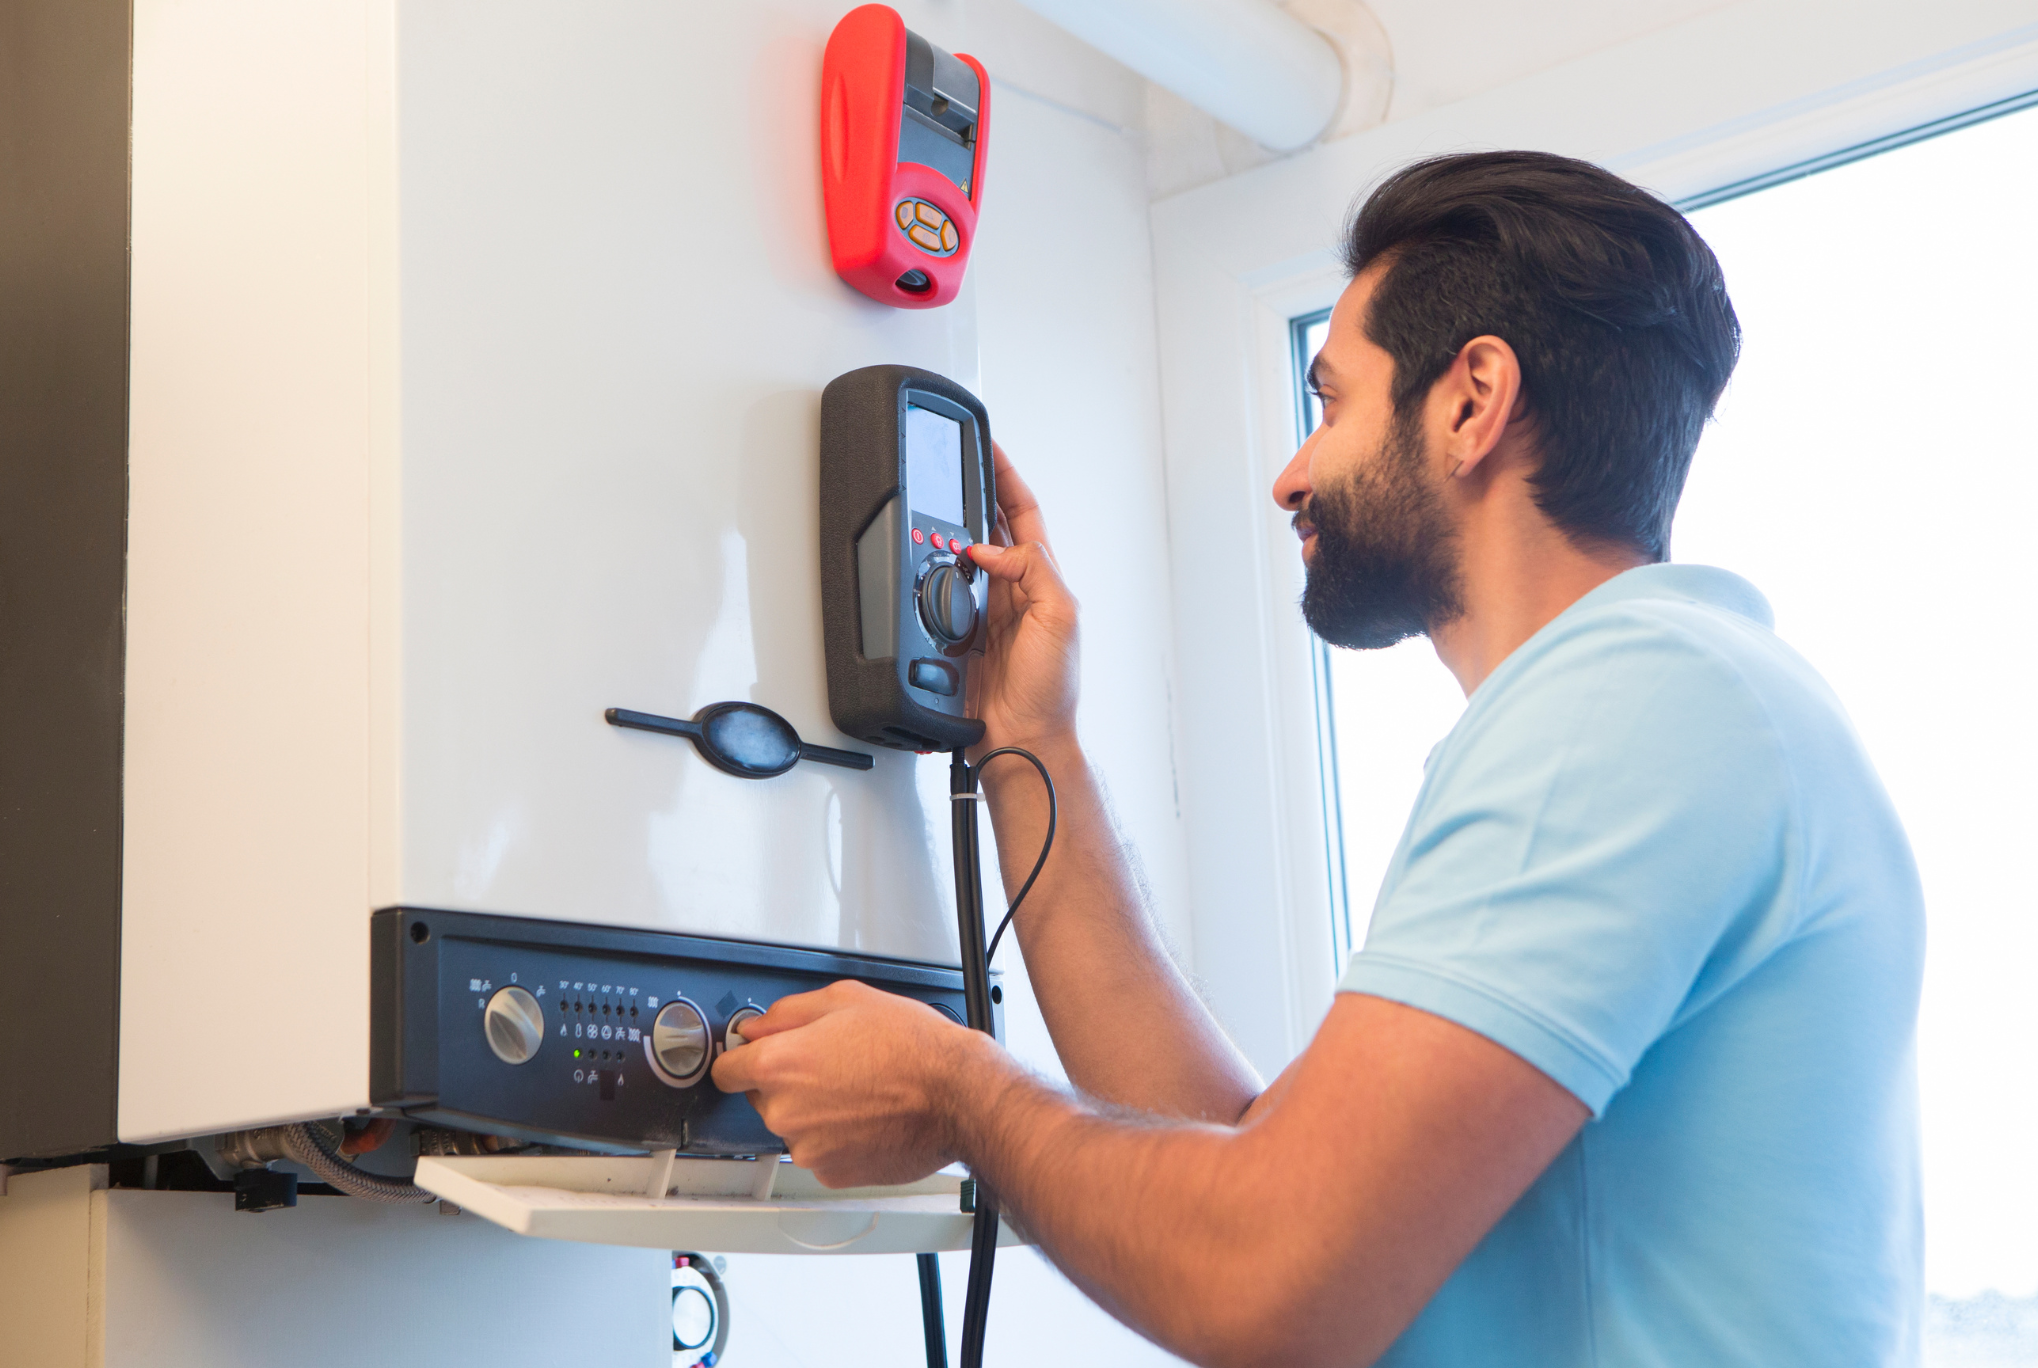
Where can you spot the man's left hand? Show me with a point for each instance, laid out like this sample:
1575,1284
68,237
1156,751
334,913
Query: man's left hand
860,1083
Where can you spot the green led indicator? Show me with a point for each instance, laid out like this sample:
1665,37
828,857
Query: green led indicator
576,1054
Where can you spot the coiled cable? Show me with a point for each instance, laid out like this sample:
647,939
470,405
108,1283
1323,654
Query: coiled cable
1053,817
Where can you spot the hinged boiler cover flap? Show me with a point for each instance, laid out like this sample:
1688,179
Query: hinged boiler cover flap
706,1204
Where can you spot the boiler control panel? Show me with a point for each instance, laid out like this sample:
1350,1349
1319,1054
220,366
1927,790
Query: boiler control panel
588,1036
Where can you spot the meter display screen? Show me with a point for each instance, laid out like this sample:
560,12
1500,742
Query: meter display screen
934,465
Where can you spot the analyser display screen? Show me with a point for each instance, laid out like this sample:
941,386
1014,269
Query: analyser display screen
934,465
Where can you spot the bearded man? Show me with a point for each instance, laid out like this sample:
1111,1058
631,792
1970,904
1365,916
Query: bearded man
1622,1075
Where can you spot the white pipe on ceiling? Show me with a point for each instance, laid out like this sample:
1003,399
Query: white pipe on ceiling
1245,62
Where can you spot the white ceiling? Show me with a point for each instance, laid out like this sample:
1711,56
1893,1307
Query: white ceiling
1445,52
1442,53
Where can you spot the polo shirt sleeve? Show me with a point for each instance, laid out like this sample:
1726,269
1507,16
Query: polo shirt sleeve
1609,830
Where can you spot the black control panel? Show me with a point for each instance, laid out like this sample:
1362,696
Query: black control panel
597,1037
907,486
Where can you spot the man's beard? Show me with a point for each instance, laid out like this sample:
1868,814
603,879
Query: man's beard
1385,566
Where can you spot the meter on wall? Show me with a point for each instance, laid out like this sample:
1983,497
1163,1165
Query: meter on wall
902,158
906,487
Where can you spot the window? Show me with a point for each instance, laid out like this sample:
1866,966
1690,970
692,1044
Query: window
1306,336
1874,471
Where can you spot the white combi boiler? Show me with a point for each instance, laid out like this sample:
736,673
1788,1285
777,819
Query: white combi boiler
462,382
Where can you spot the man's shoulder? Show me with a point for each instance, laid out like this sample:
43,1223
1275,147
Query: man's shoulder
1677,704
1692,651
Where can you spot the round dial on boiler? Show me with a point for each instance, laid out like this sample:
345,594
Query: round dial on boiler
732,1035
948,604
677,1044
515,1024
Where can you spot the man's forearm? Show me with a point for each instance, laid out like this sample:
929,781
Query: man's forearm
1164,1223
1314,1233
1125,1022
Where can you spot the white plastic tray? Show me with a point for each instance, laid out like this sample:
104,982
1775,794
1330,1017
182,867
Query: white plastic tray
728,1206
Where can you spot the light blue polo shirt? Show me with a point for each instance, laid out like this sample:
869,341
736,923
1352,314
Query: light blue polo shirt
1652,860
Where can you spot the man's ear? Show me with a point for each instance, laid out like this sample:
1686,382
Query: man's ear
1480,395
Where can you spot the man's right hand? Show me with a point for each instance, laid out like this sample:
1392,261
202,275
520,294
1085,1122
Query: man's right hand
1027,681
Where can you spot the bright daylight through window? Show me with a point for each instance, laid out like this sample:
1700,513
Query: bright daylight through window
1873,470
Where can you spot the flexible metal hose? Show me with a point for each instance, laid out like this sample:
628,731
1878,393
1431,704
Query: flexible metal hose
308,1146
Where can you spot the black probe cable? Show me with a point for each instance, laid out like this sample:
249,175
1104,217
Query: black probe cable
1053,815
976,992
931,1325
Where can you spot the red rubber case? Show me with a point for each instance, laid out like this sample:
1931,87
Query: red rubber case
864,184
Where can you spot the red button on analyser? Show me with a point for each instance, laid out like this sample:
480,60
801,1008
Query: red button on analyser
919,537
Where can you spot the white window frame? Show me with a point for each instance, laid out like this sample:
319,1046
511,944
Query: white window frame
1719,104
1337,878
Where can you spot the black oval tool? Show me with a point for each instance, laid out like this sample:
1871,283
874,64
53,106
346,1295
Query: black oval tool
747,740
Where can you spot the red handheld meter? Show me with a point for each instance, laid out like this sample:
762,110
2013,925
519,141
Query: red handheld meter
902,158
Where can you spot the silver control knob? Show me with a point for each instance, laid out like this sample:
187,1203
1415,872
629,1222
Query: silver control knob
733,1036
515,1024
677,1044
948,604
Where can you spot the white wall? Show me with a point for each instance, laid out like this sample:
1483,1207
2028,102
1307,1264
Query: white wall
91,1278
1067,325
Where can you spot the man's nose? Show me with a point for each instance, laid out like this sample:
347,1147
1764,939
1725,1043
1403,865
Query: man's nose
1291,488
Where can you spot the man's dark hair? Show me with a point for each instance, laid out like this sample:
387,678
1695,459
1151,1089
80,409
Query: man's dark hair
1614,305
